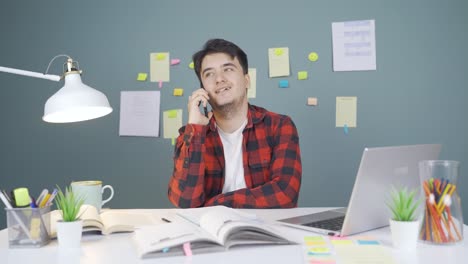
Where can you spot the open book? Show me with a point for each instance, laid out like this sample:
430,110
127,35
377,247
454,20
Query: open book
207,229
107,222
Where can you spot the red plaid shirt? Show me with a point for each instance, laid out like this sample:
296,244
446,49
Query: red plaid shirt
271,158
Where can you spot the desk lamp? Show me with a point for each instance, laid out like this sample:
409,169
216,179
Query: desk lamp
75,101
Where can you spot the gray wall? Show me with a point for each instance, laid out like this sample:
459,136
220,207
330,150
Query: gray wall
416,95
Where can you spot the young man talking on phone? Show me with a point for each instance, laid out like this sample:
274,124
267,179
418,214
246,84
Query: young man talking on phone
240,155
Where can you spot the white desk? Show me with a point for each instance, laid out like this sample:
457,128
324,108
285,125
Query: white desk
118,248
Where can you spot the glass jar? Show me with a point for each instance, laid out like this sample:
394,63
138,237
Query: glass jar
442,221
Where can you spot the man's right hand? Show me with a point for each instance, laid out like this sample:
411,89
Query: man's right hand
195,116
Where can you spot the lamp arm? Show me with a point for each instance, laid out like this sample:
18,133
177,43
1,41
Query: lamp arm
51,77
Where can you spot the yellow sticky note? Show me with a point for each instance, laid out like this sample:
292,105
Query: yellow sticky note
302,75
342,242
313,238
160,56
319,250
279,51
178,91
346,111
313,56
315,243
191,65
142,77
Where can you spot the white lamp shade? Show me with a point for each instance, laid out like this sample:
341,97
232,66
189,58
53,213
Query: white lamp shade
75,102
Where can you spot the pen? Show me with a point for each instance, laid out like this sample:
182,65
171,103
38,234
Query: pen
165,220
52,197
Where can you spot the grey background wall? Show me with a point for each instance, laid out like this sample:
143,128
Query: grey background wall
416,95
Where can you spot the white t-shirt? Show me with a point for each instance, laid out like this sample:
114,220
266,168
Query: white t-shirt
234,170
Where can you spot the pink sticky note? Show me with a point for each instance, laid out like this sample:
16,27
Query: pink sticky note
160,84
175,61
187,249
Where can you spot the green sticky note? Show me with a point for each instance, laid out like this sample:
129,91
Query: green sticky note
302,75
142,77
173,141
172,113
191,65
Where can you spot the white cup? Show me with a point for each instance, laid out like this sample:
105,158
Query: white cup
91,192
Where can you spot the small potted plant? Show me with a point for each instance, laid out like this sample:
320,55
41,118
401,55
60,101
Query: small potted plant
403,225
69,229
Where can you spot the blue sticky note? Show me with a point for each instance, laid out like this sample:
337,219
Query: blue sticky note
368,242
283,83
345,128
165,250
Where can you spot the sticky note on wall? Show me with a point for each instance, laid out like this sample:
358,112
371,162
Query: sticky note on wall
252,91
159,67
142,77
278,62
302,75
283,83
178,91
312,101
346,108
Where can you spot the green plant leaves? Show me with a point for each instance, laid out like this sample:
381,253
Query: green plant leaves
69,204
403,204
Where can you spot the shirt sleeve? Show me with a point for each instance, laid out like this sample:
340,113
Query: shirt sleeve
186,186
283,189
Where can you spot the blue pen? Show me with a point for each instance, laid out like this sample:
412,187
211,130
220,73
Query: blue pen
33,202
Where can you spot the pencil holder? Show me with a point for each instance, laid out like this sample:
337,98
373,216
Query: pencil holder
443,218
28,227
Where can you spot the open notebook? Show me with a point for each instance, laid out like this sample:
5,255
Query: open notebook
379,170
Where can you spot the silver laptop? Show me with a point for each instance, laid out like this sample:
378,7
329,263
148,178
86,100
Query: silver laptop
380,168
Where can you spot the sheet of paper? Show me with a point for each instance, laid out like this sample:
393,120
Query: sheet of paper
354,46
278,62
346,111
139,113
172,120
252,91
159,67
363,254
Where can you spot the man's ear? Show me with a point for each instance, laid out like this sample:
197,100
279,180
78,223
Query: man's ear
247,80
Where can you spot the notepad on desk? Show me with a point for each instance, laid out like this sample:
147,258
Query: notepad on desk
107,222
209,229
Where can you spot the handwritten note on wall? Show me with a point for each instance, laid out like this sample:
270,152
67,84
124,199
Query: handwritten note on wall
354,46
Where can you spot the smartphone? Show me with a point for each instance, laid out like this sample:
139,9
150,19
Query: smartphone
205,109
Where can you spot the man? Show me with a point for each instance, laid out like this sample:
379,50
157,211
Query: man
239,155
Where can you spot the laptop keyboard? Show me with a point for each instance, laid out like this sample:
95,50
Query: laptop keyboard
334,224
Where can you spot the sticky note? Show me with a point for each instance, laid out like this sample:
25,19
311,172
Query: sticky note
160,83
368,242
173,141
312,101
342,242
166,249
178,91
159,67
160,56
279,51
315,243
320,250
175,61
191,65
302,75
284,84
313,238
278,62
172,121
346,108
345,129
313,56
142,77
172,113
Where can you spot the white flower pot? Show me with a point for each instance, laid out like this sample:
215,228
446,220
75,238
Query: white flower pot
69,233
404,234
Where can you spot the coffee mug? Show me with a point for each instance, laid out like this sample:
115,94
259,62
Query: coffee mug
91,192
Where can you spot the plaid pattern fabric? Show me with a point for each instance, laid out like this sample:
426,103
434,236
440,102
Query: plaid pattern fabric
271,157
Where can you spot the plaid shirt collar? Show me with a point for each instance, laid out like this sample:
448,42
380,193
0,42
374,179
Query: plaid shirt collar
255,114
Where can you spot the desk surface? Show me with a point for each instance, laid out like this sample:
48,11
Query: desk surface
118,248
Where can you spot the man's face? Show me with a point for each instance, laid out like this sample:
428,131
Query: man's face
224,80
